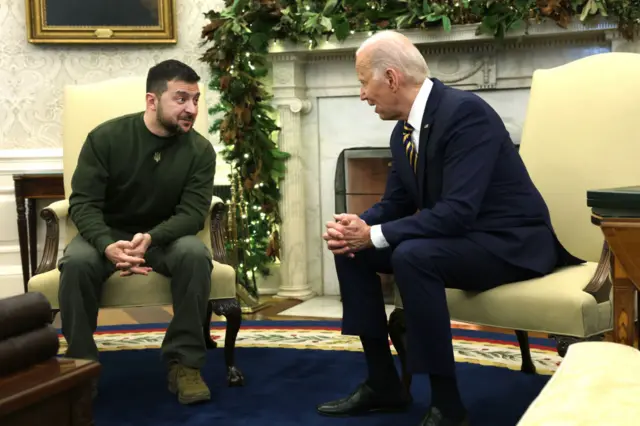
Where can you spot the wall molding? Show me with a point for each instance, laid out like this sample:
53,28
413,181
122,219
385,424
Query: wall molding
43,160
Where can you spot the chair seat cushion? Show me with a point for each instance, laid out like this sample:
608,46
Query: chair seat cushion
138,290
597,383
555,304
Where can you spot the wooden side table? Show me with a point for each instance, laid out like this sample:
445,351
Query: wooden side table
54,393
617,212
31,187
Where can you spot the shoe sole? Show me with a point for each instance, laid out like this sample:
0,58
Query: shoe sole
191,399
364,413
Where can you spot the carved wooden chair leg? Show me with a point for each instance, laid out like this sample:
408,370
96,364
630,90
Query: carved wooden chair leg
563,342
206,327
527,363
230,308
397,332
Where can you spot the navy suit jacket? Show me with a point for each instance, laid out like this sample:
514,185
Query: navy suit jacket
470,182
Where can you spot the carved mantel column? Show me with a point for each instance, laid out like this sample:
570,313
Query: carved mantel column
290,99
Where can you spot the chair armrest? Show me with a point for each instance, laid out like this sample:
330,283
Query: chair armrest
218,213
52,215
600,284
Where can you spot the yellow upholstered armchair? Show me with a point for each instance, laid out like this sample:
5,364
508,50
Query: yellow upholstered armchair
85,107
581,132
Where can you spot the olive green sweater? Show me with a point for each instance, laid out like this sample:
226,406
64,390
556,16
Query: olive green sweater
130,180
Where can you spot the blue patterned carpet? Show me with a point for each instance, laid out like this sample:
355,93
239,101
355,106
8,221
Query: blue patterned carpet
284,384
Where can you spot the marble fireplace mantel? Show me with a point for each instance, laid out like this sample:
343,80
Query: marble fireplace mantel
308,84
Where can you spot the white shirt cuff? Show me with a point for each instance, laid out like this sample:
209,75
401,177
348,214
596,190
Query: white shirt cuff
377,238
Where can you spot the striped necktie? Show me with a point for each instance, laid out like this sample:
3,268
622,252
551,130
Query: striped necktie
409,146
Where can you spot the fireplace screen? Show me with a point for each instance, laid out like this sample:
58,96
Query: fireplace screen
361,175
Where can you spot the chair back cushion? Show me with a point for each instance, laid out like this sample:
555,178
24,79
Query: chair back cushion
89,105
582,131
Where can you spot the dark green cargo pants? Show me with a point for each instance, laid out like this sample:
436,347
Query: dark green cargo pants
83,270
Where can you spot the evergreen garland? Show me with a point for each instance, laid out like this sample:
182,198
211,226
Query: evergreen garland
237,41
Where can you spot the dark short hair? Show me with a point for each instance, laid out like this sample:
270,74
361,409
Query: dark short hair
160,74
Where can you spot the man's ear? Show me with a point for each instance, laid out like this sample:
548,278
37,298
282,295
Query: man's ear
391,77
151,101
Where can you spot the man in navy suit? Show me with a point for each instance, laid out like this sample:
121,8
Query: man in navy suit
459,211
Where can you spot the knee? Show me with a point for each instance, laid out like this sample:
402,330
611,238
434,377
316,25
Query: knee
81,261
410,255
191,249
341,261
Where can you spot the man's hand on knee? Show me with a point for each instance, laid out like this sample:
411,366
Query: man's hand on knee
117,254
347,235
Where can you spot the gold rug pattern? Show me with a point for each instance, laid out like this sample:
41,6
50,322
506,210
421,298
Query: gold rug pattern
473,350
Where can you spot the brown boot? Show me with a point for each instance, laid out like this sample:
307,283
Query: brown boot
187,383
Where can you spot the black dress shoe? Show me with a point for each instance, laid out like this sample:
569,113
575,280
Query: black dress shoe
435,418
365,400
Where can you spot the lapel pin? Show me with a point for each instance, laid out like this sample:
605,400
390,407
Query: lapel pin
426,126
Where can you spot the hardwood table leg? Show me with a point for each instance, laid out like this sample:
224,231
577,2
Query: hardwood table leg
624,297
33,234
22,232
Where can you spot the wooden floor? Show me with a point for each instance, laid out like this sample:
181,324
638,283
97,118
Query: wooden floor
163,314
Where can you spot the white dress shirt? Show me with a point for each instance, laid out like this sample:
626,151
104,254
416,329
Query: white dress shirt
415,120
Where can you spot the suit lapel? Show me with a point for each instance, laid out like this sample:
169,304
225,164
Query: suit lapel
427,149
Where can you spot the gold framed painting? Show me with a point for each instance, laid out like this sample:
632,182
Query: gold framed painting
101,21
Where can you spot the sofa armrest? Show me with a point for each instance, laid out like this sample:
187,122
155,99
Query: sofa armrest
218,214
600,284
52,214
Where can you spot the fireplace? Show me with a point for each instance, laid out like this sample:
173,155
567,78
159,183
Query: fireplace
360,178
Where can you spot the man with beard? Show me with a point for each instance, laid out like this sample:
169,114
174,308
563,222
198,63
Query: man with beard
140,194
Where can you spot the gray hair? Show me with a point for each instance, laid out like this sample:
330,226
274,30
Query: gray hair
390,49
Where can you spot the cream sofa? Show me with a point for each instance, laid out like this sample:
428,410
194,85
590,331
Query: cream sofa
597,384
86,106
578,135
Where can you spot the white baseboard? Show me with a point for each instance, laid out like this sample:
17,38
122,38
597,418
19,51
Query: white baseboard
11,281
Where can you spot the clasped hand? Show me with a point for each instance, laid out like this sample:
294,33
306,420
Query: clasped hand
128,256
347,235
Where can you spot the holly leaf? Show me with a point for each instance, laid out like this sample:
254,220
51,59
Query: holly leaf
516,25
311,22
446,23
329,7
281,155
432,17
325,23
259,41
404,20
426,7
341,27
